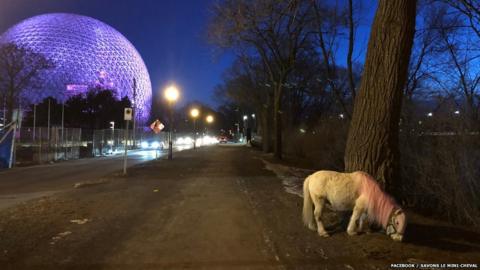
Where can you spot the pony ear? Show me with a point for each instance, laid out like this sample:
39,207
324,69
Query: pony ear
398,211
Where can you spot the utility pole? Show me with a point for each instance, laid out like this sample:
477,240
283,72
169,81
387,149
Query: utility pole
134,112
48,123
126,149
170,137
112,126
34,121
128,117
63,126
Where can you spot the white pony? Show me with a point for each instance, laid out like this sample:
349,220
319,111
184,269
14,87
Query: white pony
347,191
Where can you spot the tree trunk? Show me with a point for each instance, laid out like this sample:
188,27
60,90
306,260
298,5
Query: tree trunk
10,105
277,121
372,144
265,130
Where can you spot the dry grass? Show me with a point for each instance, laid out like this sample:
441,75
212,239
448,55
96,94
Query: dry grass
441,176
323,146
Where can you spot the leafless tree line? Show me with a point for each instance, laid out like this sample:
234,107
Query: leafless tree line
288,54
286,60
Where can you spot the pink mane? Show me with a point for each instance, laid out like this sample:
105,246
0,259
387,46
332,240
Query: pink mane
379,204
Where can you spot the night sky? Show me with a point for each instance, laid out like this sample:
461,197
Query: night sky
169,35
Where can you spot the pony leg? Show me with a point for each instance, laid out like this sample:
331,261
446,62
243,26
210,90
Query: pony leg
351,229
319,203
363,224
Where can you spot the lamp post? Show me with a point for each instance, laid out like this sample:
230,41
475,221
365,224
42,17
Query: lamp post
245,123
254,124
209,119
194,113
112,127
171,95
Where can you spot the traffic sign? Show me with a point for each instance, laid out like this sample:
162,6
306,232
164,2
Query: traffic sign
127,116
157,126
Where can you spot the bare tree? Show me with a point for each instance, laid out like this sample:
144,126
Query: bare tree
20,70
328,27
372,143
466,79
275,31
351,43
471,10
424,70
244,88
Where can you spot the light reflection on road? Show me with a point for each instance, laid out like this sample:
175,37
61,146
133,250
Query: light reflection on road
150,154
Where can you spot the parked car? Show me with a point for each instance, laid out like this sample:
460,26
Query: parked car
222,139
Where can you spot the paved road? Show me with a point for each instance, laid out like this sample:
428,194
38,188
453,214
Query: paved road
24,183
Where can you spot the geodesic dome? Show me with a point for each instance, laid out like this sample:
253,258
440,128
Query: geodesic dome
86,53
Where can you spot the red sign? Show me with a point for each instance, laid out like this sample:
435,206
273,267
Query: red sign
157,126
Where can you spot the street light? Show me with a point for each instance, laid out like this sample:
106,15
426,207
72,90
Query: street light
194,113
254,125
245,123
209,119
171,95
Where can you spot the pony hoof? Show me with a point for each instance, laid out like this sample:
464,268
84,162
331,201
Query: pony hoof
325,234
312,227
352,233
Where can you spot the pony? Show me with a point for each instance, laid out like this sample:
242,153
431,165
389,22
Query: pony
347,191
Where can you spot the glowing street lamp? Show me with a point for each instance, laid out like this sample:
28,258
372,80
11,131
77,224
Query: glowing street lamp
245,123
254,125
171,95
209,119
194,113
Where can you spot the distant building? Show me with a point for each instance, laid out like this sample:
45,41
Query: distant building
87,53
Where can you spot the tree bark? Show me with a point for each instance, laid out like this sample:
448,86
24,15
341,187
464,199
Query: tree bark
372,144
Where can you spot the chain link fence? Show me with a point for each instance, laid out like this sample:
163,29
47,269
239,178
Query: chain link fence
112,141
42,145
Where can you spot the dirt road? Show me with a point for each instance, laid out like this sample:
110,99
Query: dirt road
214,208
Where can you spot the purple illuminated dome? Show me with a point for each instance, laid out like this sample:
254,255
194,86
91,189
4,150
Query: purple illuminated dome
87,53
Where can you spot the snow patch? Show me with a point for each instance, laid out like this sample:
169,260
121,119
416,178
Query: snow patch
292,177
79,221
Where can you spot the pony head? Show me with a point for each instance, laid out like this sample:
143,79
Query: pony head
396,225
